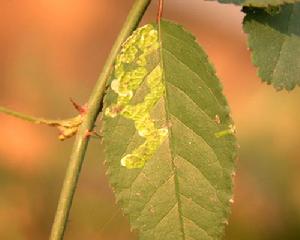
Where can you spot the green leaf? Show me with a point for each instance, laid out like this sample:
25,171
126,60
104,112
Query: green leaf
257,3
183,189
274,39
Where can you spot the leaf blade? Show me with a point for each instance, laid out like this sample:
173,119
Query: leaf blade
183,192
257,3
275,43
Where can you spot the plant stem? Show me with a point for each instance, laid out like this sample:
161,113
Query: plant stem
160,10
94,106
36,120
66,127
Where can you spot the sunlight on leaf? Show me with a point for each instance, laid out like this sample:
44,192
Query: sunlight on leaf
181,186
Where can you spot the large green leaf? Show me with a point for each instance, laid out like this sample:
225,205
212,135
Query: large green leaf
257,3
274,39
180,186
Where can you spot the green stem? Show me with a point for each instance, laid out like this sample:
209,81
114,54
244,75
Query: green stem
66,127
36,120
94,106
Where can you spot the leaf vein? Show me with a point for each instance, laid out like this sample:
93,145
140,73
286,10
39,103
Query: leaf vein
197,224
153,194
176,182
190,129
215,189
285,39
192,71
168,212
192,100
198,204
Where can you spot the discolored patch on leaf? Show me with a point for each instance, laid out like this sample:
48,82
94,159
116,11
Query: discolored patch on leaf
183,188
130,70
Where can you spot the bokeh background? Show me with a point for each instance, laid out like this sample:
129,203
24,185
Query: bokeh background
51,50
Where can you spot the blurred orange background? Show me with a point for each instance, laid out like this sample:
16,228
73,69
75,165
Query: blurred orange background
51,50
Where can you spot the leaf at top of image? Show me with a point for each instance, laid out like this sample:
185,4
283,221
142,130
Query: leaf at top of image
169,139
274,39
257,3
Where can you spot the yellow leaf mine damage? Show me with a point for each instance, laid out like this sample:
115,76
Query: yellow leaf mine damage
130,71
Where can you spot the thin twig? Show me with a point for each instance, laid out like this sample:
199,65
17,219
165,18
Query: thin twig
30,118
160,10
94,106
66,127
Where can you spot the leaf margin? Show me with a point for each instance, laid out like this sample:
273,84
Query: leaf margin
219,88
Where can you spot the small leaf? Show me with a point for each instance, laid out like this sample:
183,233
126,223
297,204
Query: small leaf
274,39
257,3
172,173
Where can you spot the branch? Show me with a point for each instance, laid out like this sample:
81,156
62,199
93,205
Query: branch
93,108
66,127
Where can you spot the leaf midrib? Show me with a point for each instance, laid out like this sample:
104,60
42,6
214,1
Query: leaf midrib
176,180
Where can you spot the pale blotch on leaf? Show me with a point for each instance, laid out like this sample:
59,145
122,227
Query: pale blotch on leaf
230,131
133,56
217,119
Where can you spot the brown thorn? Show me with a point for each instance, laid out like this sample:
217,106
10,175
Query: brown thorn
93,133
81,109
87,134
